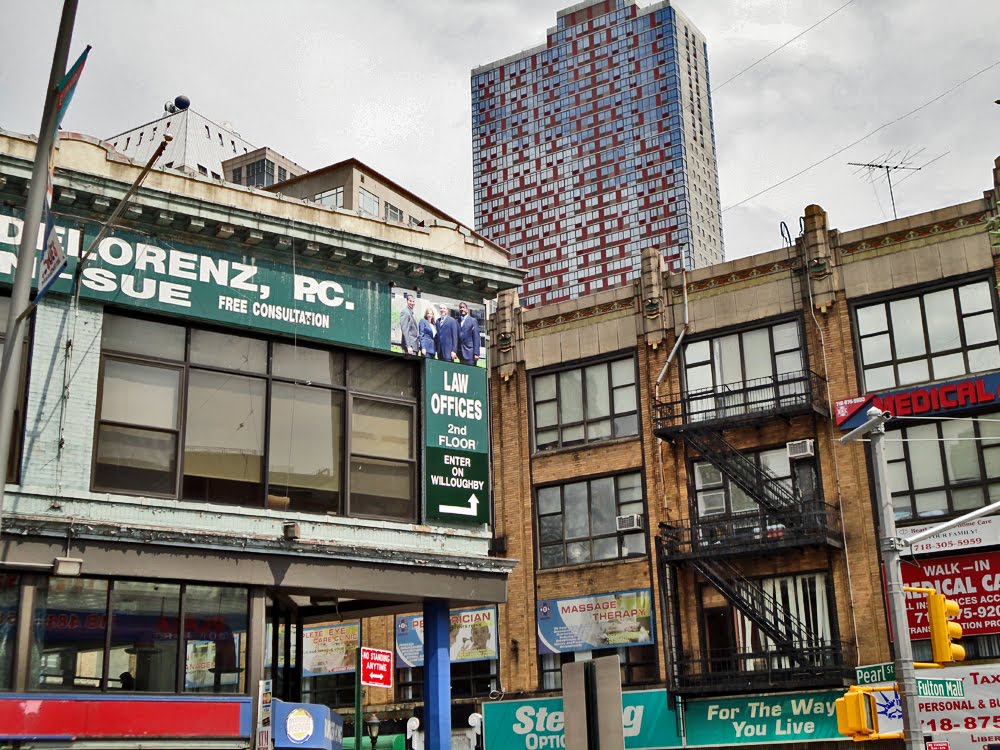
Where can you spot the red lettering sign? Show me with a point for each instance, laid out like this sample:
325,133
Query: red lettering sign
376,667
971,580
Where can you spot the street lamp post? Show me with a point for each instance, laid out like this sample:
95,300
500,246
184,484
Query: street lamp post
372,726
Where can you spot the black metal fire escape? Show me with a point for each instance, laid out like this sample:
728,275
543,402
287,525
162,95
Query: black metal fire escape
785,520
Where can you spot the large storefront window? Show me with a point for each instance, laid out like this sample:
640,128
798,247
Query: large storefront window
577,521
585,404
938,335
93,634
745,372
944,468
231,419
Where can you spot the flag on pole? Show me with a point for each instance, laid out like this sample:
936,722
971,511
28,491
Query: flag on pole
53,256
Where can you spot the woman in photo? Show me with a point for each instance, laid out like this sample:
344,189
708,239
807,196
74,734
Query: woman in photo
428,333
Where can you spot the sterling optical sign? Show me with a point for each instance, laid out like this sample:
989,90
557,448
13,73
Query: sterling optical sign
153,273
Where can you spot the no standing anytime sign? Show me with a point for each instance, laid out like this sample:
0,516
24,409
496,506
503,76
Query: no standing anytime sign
376,667
456,469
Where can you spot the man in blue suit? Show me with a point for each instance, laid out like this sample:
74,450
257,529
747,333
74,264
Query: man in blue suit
468,337
447,335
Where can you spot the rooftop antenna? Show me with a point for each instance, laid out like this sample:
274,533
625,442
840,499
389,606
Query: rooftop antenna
890,162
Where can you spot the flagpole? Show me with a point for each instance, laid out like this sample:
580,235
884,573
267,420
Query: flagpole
21,293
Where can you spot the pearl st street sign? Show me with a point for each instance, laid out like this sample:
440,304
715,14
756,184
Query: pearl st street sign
456,467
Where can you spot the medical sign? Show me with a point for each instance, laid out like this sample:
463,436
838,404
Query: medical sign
472,635
971,580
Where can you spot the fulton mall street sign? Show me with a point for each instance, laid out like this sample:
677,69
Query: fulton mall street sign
456,469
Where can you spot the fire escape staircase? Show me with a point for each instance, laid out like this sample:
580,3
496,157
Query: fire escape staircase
744,473
788,633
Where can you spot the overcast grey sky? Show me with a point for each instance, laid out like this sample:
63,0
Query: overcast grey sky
388,82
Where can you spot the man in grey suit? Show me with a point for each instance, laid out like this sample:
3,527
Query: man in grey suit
408,326
447,338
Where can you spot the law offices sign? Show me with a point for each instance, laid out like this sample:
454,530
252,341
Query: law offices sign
154,274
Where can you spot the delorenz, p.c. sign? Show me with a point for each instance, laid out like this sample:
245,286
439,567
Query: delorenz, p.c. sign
134,270
457,486
937,398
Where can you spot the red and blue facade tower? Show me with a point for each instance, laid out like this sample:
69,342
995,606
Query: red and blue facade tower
596,145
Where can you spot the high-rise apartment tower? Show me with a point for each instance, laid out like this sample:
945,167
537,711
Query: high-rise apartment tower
595,145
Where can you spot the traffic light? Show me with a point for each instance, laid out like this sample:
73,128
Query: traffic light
943,629
857,714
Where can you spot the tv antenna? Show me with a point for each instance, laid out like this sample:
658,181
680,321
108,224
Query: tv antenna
890,163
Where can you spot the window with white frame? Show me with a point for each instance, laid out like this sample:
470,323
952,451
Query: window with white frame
367,202
585,404
392,213
935,335
743,372
577,521
944,468
333,197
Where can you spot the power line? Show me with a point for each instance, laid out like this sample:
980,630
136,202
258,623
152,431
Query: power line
862,138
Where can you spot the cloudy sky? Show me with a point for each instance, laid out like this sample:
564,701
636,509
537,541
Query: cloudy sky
387,81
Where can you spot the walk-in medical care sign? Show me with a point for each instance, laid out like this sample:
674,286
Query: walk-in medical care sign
457,467
156,274
971,580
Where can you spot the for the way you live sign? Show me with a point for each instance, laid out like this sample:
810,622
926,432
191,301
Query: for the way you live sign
457,485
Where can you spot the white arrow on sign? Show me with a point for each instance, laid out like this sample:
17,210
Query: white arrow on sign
462,510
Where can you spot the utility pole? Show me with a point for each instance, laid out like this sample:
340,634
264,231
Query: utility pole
891,547
21,293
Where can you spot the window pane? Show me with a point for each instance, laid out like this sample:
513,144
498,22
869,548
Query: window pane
381,429
140,394
69,652
576,511
304,364
875,349
980,329
699,377
547,439
228,352
548,500
629,488
786,336
897,476
145,628
986,358
10,587
550,529
577,552
304,465
789,362
381,488
975,297
625,399
388,377
931,504
602,506
134,460
711,503
706,475
599,430
879,378
224,441
948,365
142,337
872,320
757,354
907,333
633,544
727,360
913,372
545,414
606,548
991,457
961,454
552,556
215,630
942,320
925,456
627,425
571,396
545,387
623,372
572,435
598,392
696,352
967,499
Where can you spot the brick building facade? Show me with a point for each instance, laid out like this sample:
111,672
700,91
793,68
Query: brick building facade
704,409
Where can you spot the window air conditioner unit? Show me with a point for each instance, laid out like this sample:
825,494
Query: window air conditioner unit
629,523
801,449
